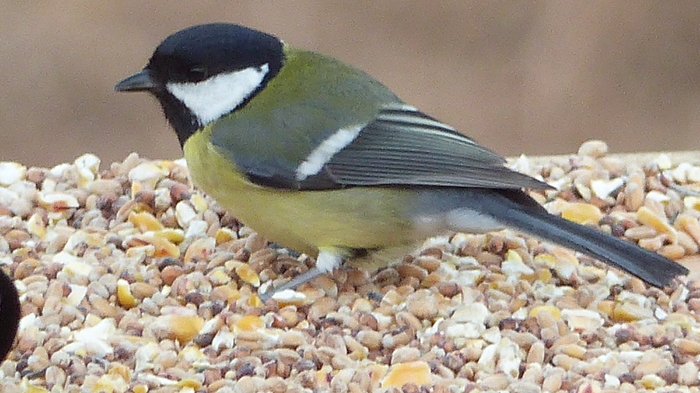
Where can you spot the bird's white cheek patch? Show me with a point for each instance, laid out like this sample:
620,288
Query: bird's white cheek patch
214,97
326,150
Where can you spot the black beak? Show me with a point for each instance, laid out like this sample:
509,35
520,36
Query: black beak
140,81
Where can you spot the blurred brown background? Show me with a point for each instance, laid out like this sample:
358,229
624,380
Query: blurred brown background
536,77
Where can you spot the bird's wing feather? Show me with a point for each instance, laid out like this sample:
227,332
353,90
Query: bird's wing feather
405,147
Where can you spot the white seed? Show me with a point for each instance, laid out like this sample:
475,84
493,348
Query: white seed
147,174
11,173
603,188
184,213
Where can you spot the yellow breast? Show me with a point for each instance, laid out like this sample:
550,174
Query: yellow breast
359,217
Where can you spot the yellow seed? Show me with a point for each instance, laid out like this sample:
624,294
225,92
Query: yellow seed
140,251
224,235
140,388
647,217
254,301
552,310
121,370
219,277
184,327
124,296
248,275
128,207
36,225
110,383
199,203
606,307
192,354
174,235
324,375
145,221
228,293
95,239
249,323
512,255
232,264
652,382
543,275
29,387
692,202
190,383
200,249
582,213
164,248
547,260
136,187
628,312
377,372
583,189
417,372
161,247
679,319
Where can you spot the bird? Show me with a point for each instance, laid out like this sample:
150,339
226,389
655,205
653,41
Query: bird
10,314
320,157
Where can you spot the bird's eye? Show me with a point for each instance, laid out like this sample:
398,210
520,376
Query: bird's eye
197,74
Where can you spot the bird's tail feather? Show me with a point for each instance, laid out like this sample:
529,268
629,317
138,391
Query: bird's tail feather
529,217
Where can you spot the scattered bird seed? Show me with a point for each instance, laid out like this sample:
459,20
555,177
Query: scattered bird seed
132,281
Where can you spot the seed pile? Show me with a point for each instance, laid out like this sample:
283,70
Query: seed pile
131,281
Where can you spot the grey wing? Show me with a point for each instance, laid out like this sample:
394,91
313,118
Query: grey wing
405,147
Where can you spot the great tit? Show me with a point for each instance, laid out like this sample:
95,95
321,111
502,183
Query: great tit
322,158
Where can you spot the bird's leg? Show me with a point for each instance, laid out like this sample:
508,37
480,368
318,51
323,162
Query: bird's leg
327,260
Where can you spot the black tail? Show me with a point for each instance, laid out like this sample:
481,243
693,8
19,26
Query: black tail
519,211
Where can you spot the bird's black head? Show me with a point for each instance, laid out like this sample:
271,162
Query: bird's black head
207,71
199,52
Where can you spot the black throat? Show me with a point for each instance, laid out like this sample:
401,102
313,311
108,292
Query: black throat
178,115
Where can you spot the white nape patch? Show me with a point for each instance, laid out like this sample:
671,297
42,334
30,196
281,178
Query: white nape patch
214,97
328,261
411,115
325,151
